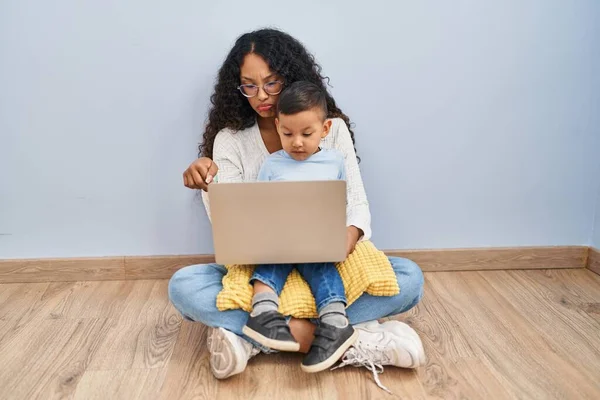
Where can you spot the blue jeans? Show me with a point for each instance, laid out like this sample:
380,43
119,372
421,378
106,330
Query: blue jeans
193,291
323,279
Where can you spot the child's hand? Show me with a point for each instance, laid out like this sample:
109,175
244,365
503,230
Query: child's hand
352,234
200,173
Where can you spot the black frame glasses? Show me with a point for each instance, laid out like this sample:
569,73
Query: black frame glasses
271,88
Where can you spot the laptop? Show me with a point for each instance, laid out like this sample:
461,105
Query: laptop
278,222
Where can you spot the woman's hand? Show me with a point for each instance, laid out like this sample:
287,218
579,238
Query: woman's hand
200,174
352,234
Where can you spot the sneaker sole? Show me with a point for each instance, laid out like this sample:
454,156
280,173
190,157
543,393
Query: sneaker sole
328,363
271,343
222,357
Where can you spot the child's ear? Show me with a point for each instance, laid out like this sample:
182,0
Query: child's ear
277,124
326,128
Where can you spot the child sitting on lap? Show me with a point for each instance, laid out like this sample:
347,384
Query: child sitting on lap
302,123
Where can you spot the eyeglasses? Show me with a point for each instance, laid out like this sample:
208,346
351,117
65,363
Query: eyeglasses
271,88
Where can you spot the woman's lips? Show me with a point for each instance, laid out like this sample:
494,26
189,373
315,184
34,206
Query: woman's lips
265,107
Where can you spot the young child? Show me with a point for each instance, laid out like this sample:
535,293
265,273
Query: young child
302,123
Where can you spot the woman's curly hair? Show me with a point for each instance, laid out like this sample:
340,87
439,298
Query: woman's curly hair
286,56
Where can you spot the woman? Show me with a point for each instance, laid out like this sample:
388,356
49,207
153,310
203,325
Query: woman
239,135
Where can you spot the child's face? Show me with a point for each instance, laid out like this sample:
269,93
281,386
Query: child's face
301,133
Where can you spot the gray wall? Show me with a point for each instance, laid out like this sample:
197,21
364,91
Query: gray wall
477,121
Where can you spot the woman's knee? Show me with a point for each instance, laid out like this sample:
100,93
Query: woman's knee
180,281
193,291
410,279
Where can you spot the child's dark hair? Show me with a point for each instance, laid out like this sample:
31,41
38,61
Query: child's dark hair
302,96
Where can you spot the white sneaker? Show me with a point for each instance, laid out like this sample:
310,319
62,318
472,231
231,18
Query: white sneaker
229,353
391,343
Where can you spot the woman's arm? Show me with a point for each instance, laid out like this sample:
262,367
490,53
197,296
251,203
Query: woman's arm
357,211
200,173
227,159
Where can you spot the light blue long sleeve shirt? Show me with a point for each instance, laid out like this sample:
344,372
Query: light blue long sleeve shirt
325,165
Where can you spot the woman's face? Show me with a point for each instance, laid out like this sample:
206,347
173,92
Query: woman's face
255,71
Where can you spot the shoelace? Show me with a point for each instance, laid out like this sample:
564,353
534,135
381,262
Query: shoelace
254,351
373,360
209,341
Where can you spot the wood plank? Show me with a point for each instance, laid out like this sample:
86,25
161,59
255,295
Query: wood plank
6,326
95,299
144,334
272,376
277,376
489,334
47,359
477,381
594,260
62,269
163,267
22,305
496,258
581,284
358,383
188,374
120,384
17,299
577,290
76,300
563,323
454,369
511,347
437,330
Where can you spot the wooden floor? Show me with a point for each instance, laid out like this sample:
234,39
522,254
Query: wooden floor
488,335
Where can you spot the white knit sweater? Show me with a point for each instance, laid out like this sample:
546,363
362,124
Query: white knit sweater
240,154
